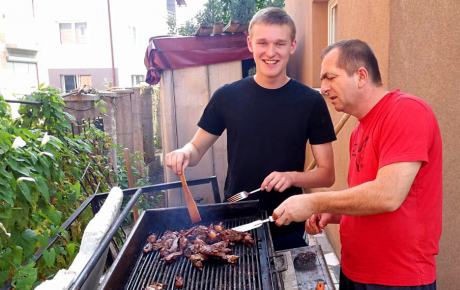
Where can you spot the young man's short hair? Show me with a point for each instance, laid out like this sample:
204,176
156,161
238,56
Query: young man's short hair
273,15
353,54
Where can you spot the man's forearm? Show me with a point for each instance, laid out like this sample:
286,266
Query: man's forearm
194,154
318,177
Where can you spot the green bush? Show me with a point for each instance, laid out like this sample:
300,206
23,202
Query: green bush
41,165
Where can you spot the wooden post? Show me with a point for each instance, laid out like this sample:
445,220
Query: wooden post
130,180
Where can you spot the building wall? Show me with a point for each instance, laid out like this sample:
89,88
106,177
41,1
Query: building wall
98,76
147,17
417,45
424,62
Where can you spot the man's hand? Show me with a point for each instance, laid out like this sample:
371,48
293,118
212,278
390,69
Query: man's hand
178,160
297,208
279,181
189,155
317,222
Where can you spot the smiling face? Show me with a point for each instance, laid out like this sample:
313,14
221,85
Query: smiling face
341,89
271,45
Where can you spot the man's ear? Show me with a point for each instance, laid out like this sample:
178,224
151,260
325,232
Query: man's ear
293,47
363,77
249,43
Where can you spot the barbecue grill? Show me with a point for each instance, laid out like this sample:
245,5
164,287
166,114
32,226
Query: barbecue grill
134,269
258,268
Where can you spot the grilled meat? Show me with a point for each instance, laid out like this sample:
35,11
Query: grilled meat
156,286
198,244
178,282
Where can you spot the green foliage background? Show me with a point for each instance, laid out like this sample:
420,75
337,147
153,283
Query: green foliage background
221,11
40,186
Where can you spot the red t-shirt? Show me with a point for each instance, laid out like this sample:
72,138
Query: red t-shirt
396,248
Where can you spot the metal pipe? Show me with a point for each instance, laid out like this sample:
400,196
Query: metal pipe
114,81
24,102
81,279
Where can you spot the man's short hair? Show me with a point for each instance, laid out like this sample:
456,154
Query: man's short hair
353,54
273,15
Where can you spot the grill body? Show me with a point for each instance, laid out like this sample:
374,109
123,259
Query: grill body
134,269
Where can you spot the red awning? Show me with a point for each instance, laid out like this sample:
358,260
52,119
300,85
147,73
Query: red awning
182,52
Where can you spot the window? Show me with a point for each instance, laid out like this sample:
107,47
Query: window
137,80
333,20
71,82
73,32
132,34
80,33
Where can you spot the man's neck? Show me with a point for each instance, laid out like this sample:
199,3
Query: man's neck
271,83
369,100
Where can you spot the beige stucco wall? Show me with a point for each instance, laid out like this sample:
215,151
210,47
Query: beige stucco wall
417,44
425,49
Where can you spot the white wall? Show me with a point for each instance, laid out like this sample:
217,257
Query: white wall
18,28
148,16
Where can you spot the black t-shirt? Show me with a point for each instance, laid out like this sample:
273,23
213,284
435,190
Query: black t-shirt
267,130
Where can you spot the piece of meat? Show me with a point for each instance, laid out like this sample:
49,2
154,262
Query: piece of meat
248,240
232,258
156,286
171,257
198,244
178,282
152,238
147,248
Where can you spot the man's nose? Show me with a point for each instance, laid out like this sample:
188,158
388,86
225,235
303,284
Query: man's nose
271,50
325,89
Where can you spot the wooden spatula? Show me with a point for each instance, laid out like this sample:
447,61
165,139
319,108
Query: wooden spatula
191,205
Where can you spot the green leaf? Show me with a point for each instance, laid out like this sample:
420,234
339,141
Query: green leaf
4,182
7,195
5,173
77,188
44,239
71,248
50,257
27,241
24,170
43,188
25,191
25,277
17,255
5,258
3,276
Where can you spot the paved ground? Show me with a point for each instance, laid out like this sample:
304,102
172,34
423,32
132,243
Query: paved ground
331,259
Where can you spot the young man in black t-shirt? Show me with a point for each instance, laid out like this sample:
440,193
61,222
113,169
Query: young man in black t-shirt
269,119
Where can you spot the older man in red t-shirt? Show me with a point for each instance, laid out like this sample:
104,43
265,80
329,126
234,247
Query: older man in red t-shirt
391,216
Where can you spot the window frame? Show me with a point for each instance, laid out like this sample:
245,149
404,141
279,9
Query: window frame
73,30
77,81
332,22
139,79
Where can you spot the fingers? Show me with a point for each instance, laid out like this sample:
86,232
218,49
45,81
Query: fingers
312,225
277,181
177,161
280,216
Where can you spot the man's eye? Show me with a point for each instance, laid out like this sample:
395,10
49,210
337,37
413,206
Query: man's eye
262,43
281,44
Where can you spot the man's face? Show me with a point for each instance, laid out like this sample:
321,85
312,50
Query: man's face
271,45
340,88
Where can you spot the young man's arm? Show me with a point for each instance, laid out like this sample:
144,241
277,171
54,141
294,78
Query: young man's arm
322,176
384,194
189,155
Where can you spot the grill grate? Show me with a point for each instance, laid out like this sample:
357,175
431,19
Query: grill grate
244,274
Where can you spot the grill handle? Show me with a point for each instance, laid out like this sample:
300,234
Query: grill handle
281,269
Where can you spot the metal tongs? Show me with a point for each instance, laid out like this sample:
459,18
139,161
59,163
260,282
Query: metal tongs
253,225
